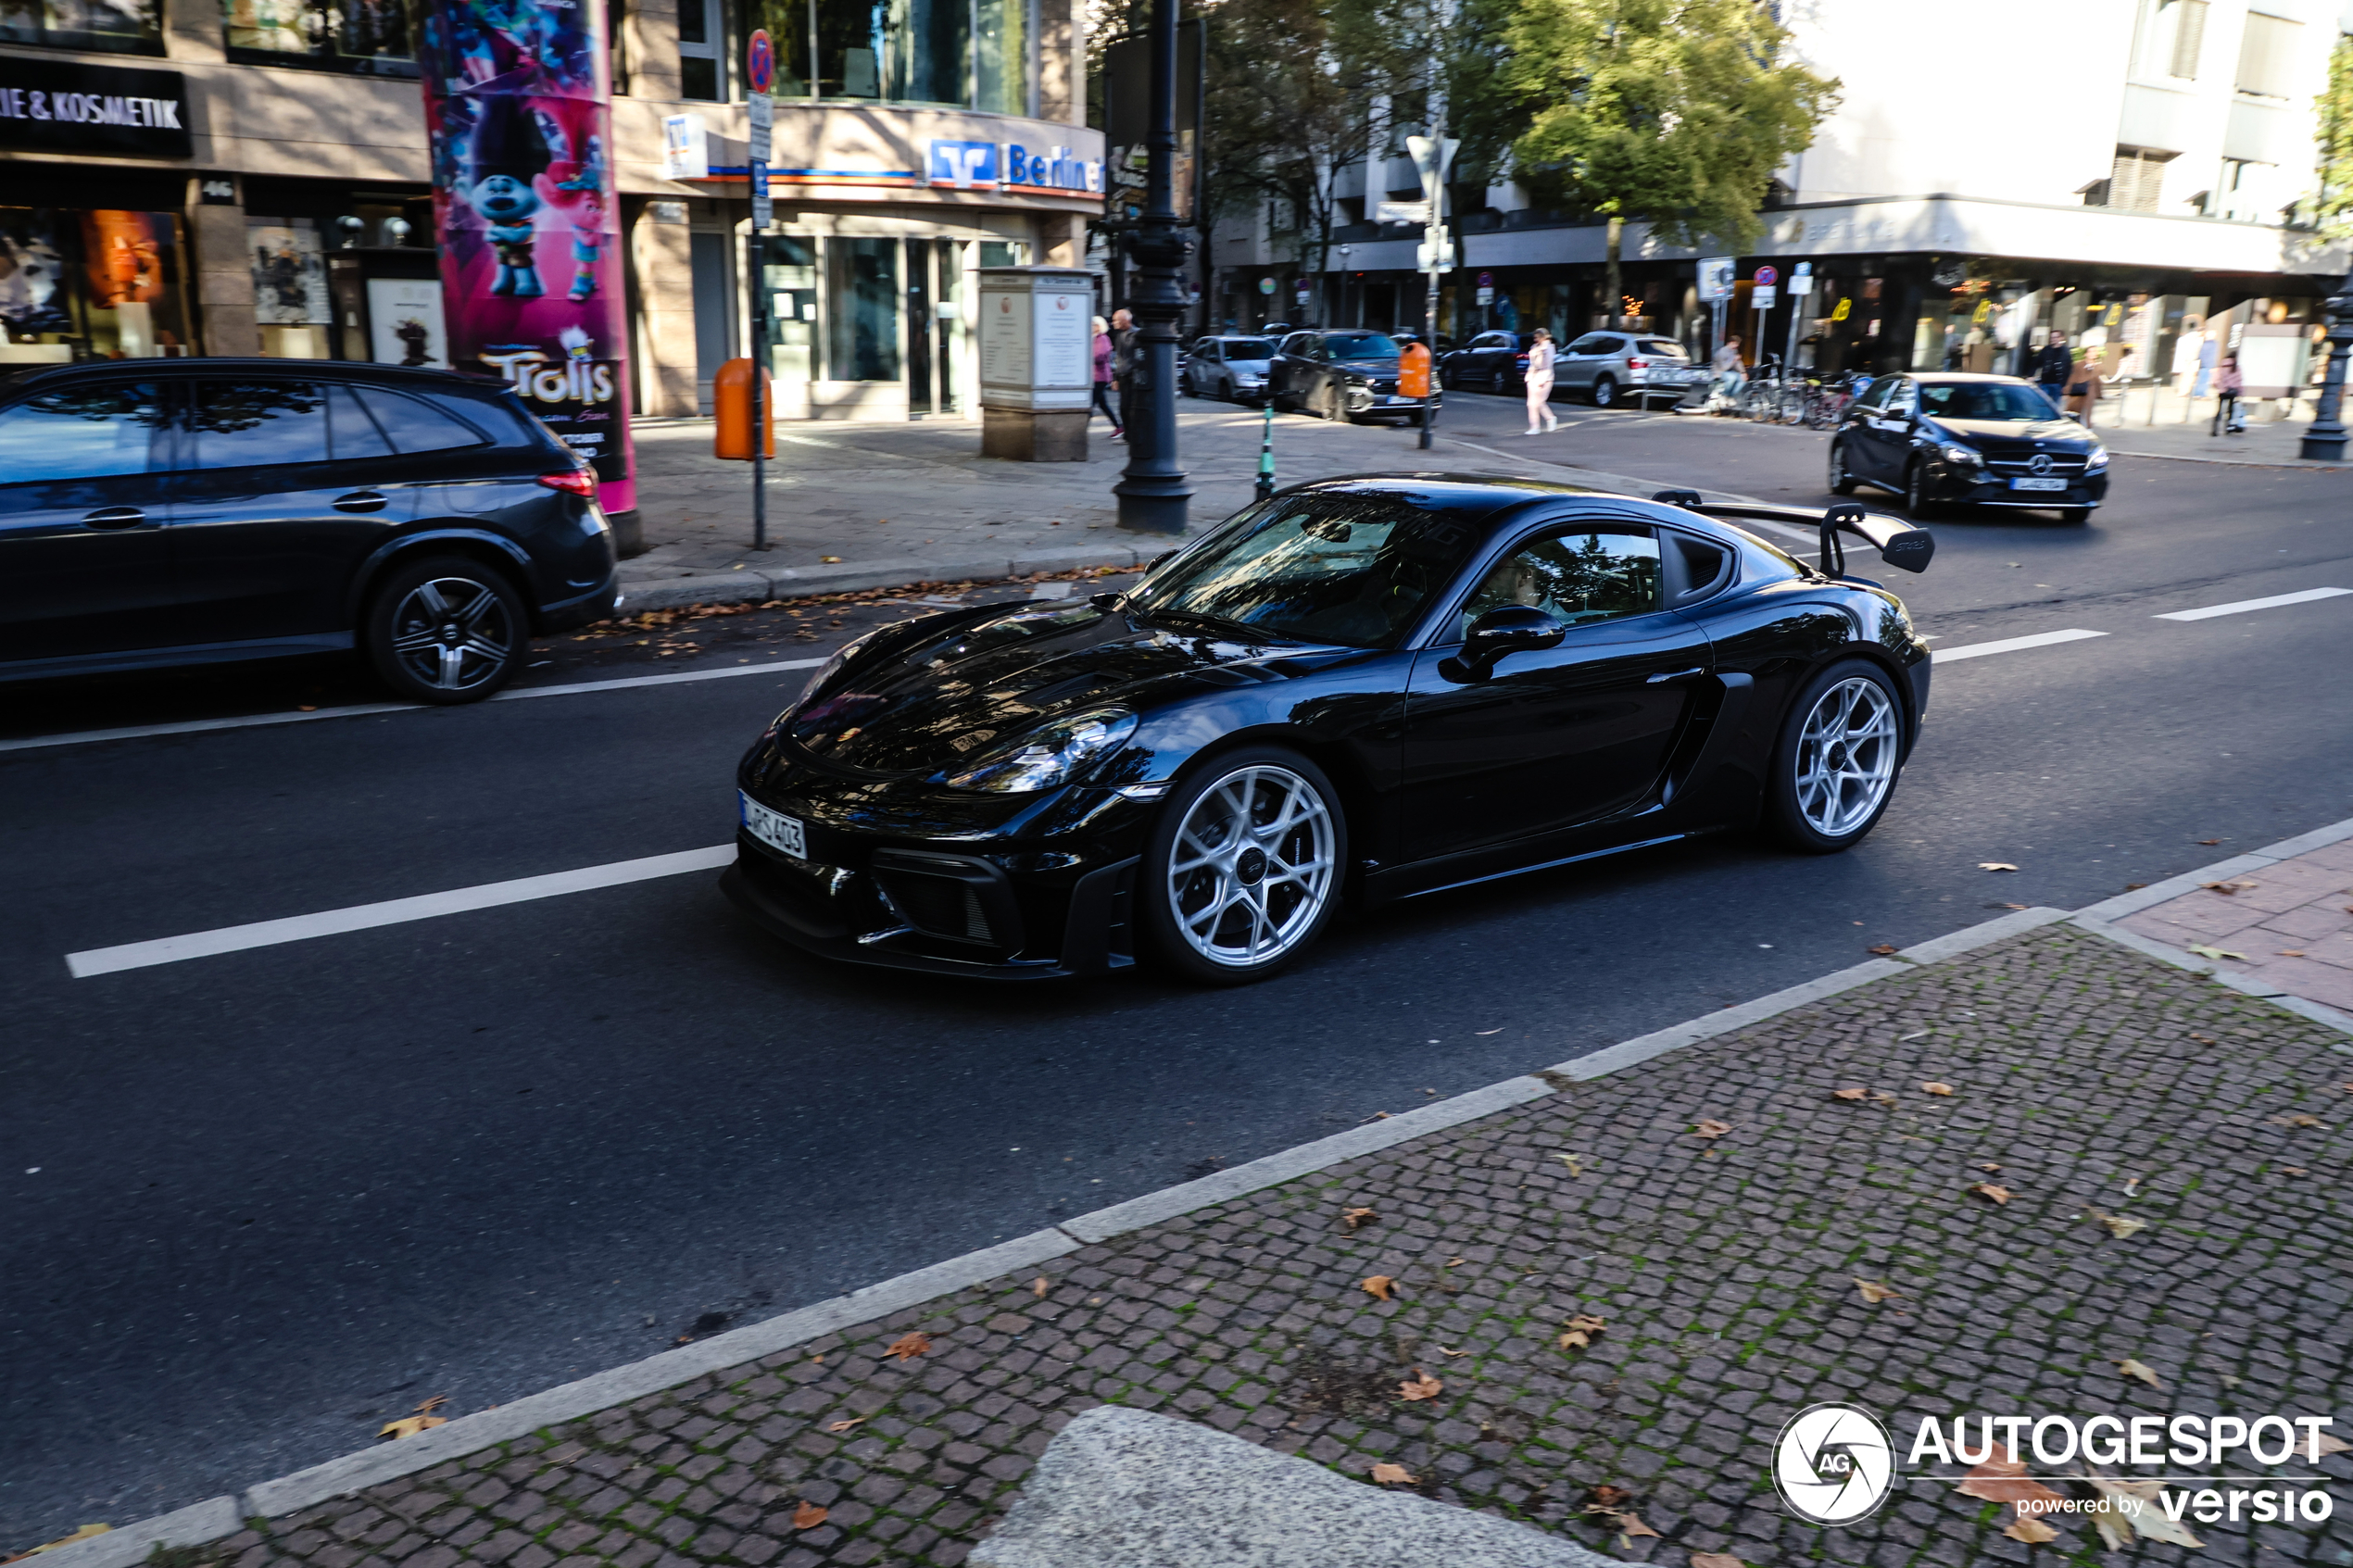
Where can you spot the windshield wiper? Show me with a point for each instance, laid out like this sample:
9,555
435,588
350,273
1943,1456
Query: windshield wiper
1239,630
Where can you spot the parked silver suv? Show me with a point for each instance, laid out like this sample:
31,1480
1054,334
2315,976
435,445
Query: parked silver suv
1607,366
1232,368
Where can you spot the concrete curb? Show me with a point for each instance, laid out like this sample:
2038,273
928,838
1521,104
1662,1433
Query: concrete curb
219,1517
757,584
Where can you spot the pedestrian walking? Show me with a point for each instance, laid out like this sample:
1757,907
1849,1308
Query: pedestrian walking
1104,352
1123,367
2053,368
2083,386
1539,384
2228,384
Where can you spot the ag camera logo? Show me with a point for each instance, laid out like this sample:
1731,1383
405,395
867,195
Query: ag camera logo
1834,1464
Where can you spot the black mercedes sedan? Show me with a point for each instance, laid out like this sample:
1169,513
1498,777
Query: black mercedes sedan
1369,688
1986,441
1348,374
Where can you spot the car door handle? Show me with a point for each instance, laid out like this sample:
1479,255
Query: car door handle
360,501
115,516
1665,675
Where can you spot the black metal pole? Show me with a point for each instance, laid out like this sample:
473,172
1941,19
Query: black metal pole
759,390
1152,490
2325,440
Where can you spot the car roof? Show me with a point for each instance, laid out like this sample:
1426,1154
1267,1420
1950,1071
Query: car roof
1957,377
1492,500
419,377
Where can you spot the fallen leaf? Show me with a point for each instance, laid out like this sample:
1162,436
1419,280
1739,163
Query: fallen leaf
408,1427
1606,1498
2229,889
2204,951
849,1425
2032,1531
1577,1169
2293,1171
907,1347
830,560
1874,1292
807,1516
2323,1444
2004,1480
433,1404
1421,1386
1989,1165
1457,1263
2132,1187
1630,1526
2131,1368
1936,1088
1387,1474
2149,1520
1712,1128
2205,1039
2134,887
1037,1288
1880,1097
1379,1287
1849,1094
306,707
81,1535
1715,1559
1497,1030
2291,952
1444,1352
2119,1226
2299,1120
1581,1331
1883,949
1991,1193
1351,1218
1996,866
2210,843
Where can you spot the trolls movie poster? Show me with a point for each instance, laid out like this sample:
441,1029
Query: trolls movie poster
518,104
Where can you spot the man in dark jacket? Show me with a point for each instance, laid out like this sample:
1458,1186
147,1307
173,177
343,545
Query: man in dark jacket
2053,367
1123,367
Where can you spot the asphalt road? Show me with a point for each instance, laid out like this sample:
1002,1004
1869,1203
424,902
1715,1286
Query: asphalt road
260,1202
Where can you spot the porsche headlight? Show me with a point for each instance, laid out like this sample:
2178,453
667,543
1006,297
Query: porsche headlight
1050,756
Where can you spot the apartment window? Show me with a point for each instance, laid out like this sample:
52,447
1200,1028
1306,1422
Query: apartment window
2136,179
2189,37
370,37
702,39
120,26
2267,56
970,54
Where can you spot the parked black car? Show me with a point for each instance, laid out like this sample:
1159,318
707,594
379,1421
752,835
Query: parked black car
180,511
1489,362
1988,440
1346,373
1379,687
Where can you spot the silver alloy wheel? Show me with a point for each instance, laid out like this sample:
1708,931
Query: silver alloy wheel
1838,466
452,633
1846,756
1252,866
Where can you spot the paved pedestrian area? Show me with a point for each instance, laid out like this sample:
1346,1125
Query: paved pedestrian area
1592,1313
2289,925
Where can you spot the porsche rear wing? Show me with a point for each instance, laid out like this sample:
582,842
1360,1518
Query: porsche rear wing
1899,543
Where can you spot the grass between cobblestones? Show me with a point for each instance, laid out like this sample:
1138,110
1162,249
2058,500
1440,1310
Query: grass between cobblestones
1724,1267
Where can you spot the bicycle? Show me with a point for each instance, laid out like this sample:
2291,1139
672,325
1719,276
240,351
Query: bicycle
1827,400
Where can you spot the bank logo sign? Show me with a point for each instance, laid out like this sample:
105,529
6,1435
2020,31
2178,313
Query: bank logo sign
973,166
964,165
1834,1464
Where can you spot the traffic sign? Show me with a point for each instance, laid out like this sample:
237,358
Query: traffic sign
1265,285
764,207
1767,276
1764,296
1400,212
764,126
760,61
1715,278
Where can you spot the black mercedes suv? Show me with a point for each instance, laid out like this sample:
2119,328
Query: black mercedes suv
177,511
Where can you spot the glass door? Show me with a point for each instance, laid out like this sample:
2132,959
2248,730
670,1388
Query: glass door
920,359
790,275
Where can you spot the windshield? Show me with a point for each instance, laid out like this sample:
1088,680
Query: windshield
1664,349
1985,401
1361,345
1332,567
1249,349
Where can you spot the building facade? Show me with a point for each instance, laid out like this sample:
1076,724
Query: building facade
251,177
2138,170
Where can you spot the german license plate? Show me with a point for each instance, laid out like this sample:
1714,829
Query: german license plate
2038,484
774,828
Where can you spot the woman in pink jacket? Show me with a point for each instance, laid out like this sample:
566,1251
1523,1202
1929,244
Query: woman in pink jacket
1539,384
1103,379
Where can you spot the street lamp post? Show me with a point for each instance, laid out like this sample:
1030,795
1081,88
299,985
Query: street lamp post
1152,490
2325,440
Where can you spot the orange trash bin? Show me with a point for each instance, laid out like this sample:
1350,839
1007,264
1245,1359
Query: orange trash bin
1413,371
731,401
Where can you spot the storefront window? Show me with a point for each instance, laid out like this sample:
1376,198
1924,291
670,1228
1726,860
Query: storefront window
366,36
291,303
90,285
863,336
969,53
122,27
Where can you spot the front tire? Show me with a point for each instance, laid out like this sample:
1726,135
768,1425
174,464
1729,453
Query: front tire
1917,500
1605,392
2075,515
1842,481
446,630
1835,765
1243,869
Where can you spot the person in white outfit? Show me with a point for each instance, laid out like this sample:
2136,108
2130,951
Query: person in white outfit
1539,384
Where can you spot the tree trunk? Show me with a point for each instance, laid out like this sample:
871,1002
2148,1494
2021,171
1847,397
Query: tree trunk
1610,279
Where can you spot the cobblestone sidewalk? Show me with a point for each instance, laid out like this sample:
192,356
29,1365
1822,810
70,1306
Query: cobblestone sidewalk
1714,1208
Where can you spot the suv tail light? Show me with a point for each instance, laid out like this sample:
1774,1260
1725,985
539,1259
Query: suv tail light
579,481
1638,364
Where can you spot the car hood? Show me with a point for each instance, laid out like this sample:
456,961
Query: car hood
953,695
1367,367
2064,432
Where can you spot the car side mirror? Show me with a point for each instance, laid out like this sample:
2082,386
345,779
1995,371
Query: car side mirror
1501,632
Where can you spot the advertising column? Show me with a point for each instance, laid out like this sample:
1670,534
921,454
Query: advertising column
519,110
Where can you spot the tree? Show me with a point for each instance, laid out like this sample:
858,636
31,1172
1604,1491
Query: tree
2334,110
1677,111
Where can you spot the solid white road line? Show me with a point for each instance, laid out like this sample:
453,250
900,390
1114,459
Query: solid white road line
394,912
2012,645
514,694
2240,606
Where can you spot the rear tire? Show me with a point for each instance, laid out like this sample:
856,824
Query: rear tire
1243,869
446,630
1605,392
1836,763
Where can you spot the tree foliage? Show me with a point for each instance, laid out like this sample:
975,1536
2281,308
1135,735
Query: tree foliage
2335,112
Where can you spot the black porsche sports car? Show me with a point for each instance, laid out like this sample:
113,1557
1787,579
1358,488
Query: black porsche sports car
1372,687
